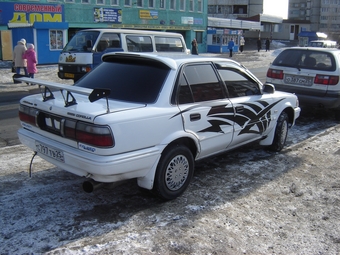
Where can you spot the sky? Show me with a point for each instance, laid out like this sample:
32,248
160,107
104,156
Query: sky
276,7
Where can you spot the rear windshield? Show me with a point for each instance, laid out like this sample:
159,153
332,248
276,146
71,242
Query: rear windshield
307,59
139,82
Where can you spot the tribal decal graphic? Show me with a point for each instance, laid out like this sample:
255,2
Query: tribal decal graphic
252,117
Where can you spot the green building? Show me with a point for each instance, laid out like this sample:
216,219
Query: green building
41,22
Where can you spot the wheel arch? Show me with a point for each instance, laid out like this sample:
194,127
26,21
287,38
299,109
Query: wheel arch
270,137
147,181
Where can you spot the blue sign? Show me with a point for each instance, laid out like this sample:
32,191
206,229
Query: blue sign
28,13
107,15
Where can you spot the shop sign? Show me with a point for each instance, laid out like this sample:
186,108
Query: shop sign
25,13
107,15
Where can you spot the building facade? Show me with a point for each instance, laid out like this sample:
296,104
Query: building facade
50,23
323,15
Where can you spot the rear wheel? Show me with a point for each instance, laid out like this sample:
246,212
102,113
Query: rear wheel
174,172
281,132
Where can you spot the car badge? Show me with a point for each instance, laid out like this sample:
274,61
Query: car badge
70,59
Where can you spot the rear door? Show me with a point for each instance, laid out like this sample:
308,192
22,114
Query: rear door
207,112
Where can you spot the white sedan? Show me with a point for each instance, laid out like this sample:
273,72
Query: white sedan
151,117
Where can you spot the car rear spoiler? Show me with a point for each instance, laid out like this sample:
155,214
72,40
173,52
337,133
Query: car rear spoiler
69,99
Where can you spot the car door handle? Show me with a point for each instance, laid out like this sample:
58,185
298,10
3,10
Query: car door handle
239,108
195,117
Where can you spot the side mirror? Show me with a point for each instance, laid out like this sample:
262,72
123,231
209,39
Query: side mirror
268,88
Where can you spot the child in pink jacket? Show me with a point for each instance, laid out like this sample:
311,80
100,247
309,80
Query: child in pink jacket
31,57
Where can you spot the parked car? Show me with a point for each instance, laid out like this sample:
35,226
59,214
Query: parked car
310,73
323,44
151,117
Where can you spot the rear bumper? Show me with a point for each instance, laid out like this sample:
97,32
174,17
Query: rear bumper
328,99
99,168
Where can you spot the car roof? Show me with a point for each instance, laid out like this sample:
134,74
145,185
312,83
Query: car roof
131,31
333,50
172,60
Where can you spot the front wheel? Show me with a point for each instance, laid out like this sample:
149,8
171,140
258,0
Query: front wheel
281,132
174,172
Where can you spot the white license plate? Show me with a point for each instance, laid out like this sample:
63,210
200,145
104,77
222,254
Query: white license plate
299,80
50,151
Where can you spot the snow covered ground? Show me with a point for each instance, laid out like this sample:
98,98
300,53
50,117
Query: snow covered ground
249,201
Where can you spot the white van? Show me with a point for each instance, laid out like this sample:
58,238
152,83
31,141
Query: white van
84,51
323,44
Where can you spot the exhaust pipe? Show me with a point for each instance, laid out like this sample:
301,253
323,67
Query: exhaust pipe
91,185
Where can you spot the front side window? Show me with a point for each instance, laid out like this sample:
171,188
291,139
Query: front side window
56,40
114,2
151,3
238,84
127,2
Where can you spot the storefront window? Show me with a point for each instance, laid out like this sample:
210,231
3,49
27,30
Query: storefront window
56,40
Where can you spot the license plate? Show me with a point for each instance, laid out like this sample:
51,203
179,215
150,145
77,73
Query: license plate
299,80
69,75
50,151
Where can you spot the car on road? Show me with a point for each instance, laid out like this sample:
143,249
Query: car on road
309,72
150,117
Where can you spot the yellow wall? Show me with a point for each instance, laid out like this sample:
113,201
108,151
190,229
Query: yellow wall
6,45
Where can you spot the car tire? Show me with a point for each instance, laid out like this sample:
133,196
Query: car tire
281,132
174,172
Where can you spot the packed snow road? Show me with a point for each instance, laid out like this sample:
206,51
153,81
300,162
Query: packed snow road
249,201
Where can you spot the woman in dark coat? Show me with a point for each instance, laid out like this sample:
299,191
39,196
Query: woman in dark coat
194,47
259,44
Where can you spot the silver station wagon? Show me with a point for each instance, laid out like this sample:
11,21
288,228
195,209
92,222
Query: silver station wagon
311,73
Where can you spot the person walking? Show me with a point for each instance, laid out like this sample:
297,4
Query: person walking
259,44
267,44
242,42
194,47
31,57
18,52
231,47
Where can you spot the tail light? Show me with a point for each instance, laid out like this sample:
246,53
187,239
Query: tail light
275,74
326,79
28,114
91,134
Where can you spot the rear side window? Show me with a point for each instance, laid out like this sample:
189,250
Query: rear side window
199,83
139,43
307,59
138,82
108,40
168,44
